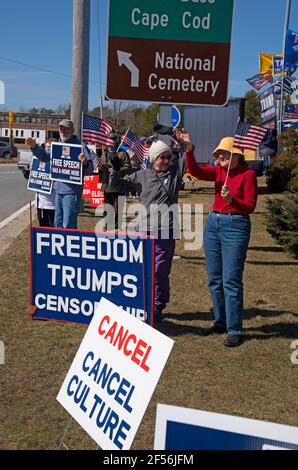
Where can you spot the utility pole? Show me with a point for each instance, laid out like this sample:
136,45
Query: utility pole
80,62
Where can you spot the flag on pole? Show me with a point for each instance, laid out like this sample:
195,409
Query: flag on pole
259,80
291,49
249,136
289,85
266,63
290,112
96,131
91,156
134,143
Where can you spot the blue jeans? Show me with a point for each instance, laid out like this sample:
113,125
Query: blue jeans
67,207
226,239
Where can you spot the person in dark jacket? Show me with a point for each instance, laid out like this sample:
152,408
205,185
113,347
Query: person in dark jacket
111,195
68,195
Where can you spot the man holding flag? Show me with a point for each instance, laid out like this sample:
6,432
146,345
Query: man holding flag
227,231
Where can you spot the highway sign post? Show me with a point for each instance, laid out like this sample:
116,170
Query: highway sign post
169,51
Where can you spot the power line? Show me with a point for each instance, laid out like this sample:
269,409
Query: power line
43,69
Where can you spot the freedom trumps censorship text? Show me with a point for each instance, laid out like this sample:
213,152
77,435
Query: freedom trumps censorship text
71,270
179,221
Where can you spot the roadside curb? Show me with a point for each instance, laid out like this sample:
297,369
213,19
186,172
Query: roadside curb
13,226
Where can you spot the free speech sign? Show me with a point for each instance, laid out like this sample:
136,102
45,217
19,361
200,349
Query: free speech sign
65,166
71,270
39,179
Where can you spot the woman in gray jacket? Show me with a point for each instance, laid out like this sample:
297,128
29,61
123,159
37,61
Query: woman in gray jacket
158,187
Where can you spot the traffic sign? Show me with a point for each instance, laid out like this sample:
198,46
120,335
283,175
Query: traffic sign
176,117
169,51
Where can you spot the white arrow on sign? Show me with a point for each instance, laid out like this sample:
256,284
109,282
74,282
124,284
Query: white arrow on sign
124,59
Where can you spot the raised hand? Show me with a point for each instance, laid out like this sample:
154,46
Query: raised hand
184,137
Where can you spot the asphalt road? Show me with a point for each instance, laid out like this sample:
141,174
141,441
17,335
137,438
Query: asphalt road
13,190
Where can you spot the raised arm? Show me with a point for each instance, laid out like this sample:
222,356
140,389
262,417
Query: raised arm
207,173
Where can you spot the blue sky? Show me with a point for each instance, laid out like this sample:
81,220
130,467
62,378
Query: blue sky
39,33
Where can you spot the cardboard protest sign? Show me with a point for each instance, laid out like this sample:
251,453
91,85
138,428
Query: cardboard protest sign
92,190
40,177
65,166
71,270
112,378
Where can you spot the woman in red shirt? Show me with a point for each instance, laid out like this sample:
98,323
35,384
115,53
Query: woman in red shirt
226,233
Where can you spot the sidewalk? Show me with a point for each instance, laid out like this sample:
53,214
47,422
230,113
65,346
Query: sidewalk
11,230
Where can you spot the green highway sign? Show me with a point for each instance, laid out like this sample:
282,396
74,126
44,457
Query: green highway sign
169,51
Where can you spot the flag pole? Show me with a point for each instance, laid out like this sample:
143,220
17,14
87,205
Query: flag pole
122,140
229,167
286,26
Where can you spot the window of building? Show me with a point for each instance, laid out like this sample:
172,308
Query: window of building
22,133
6,132
32,134
37,134
17,133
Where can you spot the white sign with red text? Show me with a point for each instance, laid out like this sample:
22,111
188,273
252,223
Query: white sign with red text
113,376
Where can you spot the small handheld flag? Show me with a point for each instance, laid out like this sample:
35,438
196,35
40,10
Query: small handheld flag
249,136
96,131
134,143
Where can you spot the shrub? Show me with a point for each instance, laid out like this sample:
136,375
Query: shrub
283,174
282,222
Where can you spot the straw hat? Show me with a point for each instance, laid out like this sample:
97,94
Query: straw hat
227,144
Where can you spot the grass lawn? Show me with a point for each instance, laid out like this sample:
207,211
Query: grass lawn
256,380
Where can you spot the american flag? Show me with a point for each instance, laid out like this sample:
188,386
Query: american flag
96,131
249,136
134,143
290,112
91,156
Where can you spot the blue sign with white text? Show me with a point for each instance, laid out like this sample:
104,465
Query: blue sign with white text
40,177
71,270
65,166
188,429
192,437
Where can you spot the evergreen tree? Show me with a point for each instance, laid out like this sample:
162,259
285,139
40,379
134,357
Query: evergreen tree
252,107
282,222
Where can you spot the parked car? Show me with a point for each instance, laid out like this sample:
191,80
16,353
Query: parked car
25,157
4,150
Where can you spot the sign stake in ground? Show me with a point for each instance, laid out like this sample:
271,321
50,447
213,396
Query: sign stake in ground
169,51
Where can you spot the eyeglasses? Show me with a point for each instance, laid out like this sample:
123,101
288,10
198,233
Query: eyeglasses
165,157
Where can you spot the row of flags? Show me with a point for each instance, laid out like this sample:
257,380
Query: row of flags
97,131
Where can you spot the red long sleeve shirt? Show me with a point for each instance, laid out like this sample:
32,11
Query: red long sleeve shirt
241,180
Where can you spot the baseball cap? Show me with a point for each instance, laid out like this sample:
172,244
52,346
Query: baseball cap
66,123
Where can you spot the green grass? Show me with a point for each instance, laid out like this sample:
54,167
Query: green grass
255,381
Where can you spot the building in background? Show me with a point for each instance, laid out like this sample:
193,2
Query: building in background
38,126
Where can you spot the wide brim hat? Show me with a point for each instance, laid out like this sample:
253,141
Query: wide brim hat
227,144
